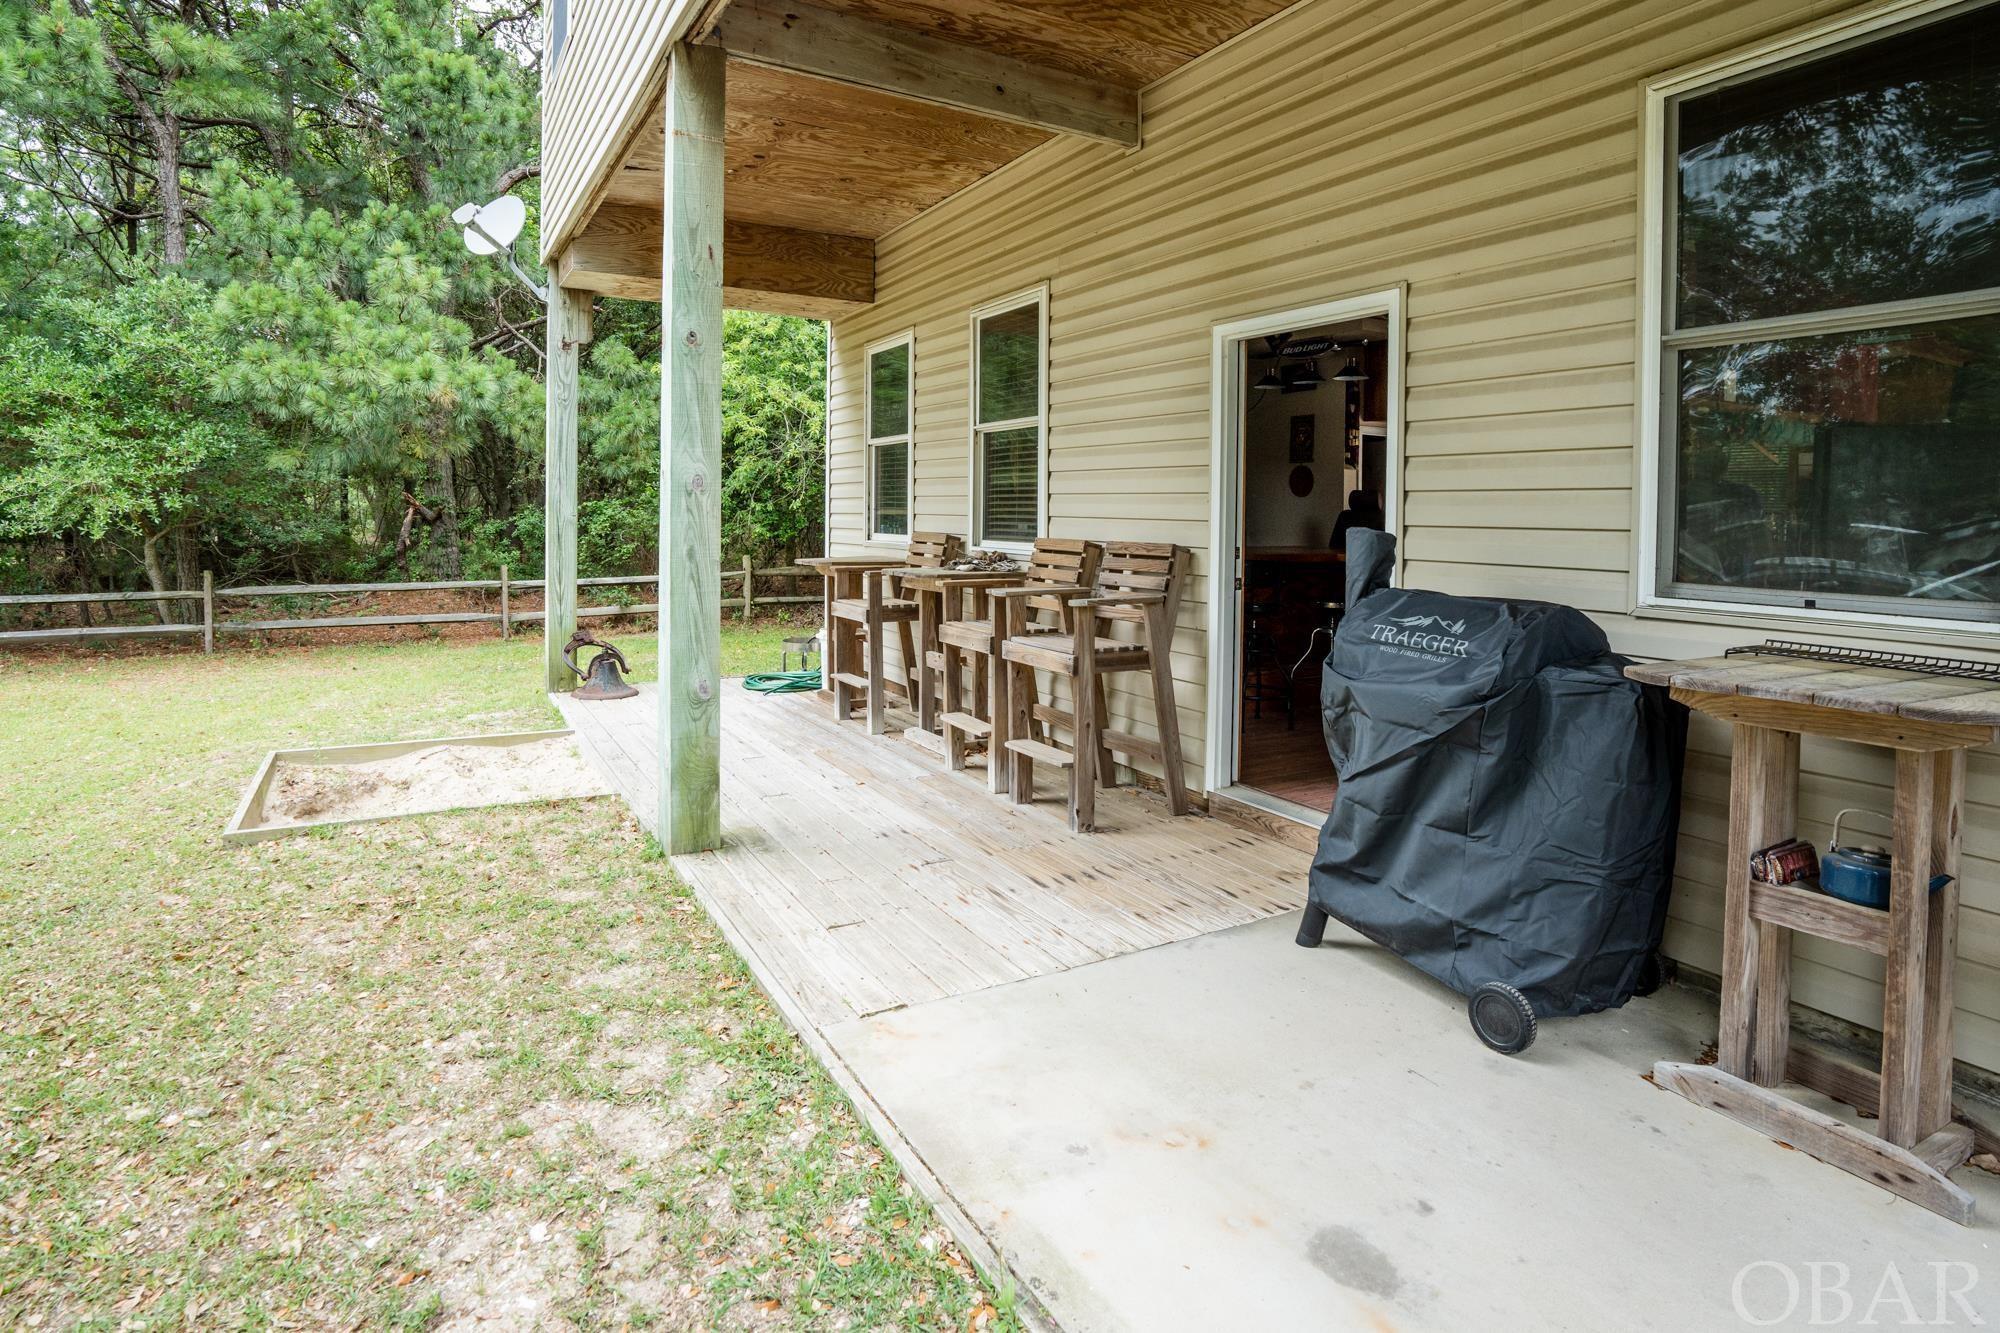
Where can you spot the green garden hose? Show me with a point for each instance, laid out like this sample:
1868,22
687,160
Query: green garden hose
782,682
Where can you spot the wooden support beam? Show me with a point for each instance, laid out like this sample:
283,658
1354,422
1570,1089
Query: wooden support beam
846,48
691,454
568,330
781,269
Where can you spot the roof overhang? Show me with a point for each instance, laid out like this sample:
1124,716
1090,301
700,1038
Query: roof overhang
845,119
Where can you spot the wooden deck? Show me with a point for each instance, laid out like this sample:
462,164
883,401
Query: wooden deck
859,876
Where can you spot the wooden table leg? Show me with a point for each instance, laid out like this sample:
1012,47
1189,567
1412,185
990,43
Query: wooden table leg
1941,942
1754,1035
952,669
999,700
1083,687
835,651
878,655
1904,980
929,607
1019,691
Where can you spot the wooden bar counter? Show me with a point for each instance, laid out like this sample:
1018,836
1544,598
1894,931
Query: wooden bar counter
1929,721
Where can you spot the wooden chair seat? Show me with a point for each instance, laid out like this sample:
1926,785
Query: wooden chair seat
1057,652
856,609
976,635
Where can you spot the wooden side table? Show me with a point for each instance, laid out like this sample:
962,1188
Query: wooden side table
1929,722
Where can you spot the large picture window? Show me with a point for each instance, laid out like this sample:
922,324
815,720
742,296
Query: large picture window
1829,324
890,398
1009,419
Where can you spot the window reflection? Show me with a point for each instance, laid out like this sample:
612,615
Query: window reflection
1010,364
889,393
1871,175
1846,465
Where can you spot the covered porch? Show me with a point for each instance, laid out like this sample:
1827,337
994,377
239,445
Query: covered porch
712,153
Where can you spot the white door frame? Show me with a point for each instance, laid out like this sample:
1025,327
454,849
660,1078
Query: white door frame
1225,523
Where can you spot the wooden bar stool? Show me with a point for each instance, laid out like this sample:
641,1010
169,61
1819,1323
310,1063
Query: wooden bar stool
857,628
940,595
1138,584
1059,569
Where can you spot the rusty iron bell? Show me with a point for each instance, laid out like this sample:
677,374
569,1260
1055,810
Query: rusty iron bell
602,679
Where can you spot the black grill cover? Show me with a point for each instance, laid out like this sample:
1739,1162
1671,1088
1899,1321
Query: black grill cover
1508,800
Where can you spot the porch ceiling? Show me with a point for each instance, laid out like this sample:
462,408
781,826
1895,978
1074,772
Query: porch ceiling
821,156
1127,44
848,118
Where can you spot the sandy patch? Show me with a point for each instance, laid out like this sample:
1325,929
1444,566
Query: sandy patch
629,1133
506,1269
439,777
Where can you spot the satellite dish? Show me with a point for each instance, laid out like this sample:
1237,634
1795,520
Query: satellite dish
492,228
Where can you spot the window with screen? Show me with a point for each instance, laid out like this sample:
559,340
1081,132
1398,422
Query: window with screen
1010,355
889,407
1830,329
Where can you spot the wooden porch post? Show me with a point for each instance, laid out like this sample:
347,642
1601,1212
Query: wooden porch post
568,331
691,454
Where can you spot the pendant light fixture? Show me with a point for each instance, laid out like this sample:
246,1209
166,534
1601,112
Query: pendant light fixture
1352,373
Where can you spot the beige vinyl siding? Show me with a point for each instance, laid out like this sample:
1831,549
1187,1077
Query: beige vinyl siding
1488,159
607,78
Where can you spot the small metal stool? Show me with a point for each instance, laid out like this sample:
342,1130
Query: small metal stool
805,645
1260,661
1333,612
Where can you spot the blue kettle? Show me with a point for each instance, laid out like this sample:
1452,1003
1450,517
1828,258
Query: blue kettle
1859,874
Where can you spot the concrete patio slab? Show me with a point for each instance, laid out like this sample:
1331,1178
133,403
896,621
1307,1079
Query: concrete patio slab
1232,1132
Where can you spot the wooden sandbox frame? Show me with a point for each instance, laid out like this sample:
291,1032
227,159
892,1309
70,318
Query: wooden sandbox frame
247,824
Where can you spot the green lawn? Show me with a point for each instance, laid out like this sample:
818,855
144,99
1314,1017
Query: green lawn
492,1065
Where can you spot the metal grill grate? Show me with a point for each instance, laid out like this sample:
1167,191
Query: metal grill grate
1819,652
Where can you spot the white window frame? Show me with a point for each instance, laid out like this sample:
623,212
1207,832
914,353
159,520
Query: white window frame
975,519
1658,341
908,439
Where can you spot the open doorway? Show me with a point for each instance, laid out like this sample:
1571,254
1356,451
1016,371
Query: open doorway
1308,426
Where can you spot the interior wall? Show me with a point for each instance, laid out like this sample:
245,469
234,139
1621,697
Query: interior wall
1272,515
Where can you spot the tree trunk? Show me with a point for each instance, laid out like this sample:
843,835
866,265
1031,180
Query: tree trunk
163,128
187,566
156,575
447,527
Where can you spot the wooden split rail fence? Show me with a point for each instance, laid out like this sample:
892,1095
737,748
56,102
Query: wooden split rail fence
208,626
